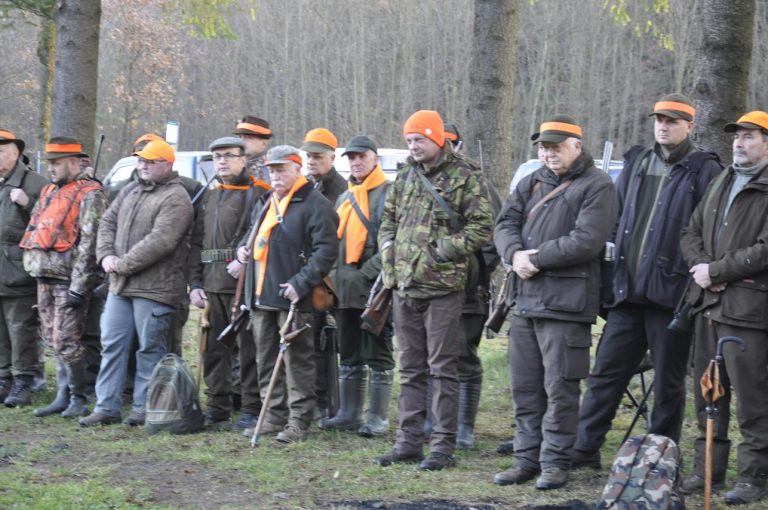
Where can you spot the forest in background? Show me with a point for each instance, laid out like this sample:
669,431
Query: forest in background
364,67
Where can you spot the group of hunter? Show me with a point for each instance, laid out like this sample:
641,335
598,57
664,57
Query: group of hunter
264,236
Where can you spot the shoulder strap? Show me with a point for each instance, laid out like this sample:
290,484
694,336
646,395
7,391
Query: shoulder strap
452,217
368,225
549,196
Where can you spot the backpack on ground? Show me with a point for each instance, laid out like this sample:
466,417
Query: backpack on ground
645,476
173,403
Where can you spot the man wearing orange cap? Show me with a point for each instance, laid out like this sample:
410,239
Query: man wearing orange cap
552,230
255,134
659,188
19,338
358,266
725,247
60,252
142,245
320,145
435,216
294,246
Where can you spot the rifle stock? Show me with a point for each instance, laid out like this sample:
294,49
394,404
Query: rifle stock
377,308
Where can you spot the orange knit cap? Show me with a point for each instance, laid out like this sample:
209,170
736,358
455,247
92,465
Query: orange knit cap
427,123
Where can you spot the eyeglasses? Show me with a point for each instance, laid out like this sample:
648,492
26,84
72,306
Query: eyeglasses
143,161
227,156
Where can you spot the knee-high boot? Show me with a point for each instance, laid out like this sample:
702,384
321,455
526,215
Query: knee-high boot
78,383
469,400
352,383
62,392
378,407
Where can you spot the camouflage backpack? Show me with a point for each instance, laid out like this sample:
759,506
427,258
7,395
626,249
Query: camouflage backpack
644,476
173,403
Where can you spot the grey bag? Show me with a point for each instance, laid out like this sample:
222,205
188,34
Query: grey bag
173,402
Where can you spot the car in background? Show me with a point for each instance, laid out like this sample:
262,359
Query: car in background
196,165
388,159
530,166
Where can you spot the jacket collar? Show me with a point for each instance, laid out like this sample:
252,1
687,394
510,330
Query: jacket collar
16,176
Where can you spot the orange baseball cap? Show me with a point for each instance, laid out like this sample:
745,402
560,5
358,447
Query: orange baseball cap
319,140
146,138
752,120
675,106
427,123
157,150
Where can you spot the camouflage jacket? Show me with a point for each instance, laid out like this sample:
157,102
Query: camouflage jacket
423,256
14,280
78,264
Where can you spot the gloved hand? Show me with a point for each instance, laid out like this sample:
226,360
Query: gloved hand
75,299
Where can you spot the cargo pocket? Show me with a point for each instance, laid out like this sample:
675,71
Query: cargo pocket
160,330
746,300
565,291
576,362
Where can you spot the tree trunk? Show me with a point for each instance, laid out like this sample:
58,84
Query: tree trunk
491,79
721,70
76,69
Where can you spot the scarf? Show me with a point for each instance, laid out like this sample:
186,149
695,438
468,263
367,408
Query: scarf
254,182
350,222
273,217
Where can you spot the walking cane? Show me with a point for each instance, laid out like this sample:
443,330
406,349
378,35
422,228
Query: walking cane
288,332
204,325
712,390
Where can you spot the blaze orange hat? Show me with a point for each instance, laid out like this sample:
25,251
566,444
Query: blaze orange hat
146,138
251,125
675,106
8,137
427,123
557,129
319,140
751,120
156,150
63,147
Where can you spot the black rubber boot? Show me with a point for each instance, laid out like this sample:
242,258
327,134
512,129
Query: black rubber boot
469,400
377,422
78,383
62,393
428,418
352,383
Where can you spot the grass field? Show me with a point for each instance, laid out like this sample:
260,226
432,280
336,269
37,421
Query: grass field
51,463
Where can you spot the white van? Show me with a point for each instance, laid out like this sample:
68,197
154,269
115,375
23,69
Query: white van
194,164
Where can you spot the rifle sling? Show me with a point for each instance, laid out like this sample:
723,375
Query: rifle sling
452,217
549,196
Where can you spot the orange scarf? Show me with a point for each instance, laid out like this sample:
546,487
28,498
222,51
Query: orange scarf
350,222
254,182
273,217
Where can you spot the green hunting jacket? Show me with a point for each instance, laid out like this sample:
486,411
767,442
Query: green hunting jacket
14,280
423,255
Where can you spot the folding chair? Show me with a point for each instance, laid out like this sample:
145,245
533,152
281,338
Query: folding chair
641,405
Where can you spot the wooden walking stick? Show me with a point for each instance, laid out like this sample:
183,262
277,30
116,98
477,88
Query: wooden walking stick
204,325
712,389
288,332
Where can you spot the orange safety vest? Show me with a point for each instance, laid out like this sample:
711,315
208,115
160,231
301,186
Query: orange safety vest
54,225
